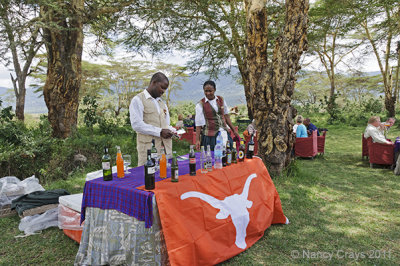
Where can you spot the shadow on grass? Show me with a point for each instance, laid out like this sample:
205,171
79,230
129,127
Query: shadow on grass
341,212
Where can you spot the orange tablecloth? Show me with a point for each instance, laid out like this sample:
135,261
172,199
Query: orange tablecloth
211,217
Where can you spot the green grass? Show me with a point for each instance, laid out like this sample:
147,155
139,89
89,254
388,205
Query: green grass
337,205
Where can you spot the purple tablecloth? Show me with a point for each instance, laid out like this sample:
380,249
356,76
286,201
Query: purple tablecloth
121,193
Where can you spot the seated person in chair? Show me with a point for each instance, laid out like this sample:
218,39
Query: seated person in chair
179,124
250,130
301,130
373,130
310,126
385,127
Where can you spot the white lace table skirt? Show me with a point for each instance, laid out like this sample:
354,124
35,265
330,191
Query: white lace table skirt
111,237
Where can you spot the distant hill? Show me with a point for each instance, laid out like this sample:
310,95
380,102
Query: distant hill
192,90
33,103
227,87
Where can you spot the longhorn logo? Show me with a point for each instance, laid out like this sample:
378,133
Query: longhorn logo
235,205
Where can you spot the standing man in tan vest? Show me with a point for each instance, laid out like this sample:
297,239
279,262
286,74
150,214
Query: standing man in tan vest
150,118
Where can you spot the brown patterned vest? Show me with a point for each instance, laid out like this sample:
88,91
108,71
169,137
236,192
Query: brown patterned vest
214,120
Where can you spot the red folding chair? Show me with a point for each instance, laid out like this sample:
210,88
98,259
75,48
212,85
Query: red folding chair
190,135
321,142
380,153
364,147
306,147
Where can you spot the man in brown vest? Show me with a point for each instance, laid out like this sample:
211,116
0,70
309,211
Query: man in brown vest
150,118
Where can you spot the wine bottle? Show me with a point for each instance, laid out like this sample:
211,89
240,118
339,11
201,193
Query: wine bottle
228,153
174,168
241,151
250,148
192,161
154,154
120,163
149,172
107,167
234,153
223,156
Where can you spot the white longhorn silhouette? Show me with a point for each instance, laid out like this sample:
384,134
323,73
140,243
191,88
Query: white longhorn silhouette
235,205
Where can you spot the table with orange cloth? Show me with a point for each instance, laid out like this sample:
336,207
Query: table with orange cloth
208,218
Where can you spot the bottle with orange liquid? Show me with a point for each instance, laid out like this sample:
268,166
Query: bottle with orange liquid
163,164
120,164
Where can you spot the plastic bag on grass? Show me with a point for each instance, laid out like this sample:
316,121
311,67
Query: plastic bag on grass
31,184
5,201
12,186
38,222
9,186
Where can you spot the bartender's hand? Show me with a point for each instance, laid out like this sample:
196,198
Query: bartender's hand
236,134
197,144
166,133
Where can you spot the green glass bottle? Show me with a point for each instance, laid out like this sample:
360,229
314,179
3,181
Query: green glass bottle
107,167
154,154
149,172
174,168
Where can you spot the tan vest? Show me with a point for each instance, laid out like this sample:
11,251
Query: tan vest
152,117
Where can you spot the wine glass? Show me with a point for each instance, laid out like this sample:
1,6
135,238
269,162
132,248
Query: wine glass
127,162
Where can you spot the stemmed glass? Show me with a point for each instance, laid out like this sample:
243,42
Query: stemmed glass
127,162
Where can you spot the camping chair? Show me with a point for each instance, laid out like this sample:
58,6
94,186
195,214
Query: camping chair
306,147
189,135
321,142
364,147
380,153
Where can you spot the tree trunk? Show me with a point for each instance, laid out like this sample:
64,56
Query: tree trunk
64,55
246,84
390,104
20,102
19,91
272,85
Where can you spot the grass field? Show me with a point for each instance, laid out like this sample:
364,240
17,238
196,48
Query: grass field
341,212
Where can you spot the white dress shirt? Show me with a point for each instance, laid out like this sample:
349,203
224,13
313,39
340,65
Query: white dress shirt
376,134
200,120
136,109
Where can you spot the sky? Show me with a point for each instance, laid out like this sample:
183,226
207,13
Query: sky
369,65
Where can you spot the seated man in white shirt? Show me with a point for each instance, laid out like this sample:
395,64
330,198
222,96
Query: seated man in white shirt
373,130
150,118
385,127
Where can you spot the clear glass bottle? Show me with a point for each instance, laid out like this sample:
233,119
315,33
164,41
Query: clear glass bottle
218,152
209,159
174,168
203,161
